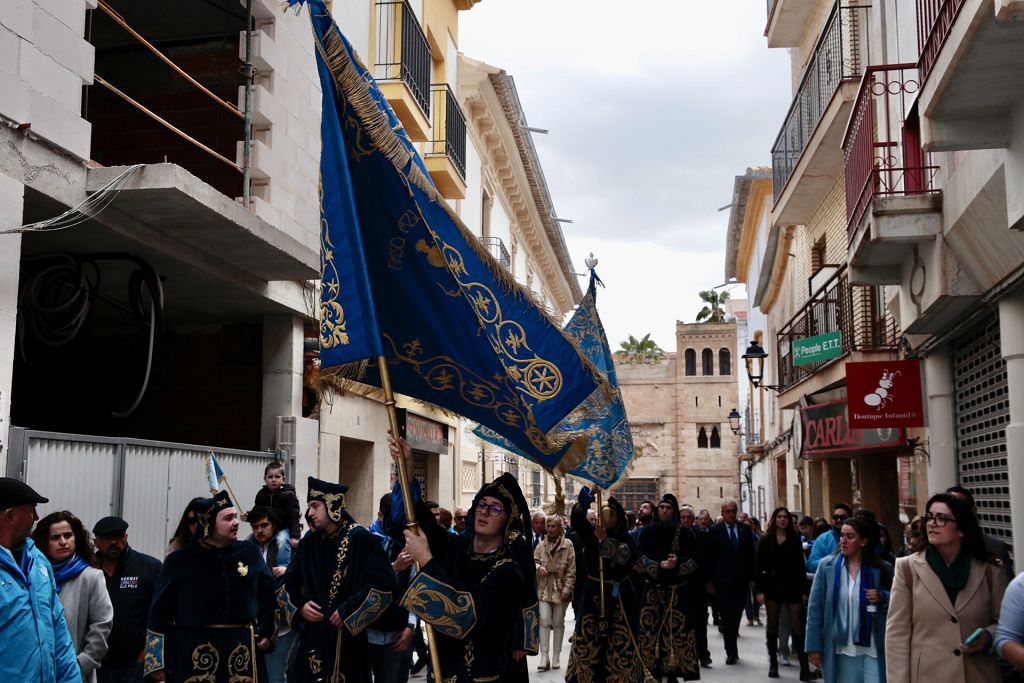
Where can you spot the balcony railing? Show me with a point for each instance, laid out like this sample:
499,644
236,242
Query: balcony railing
836,58
496,247
752,427
882,146
771,4
857,312
403,53
934,20
449,130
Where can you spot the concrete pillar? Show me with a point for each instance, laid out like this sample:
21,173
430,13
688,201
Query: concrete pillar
12,201
1011,322
938,381
282,373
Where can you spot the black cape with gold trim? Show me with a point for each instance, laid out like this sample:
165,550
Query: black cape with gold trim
363,589
604,650
667,639
474,601
210,607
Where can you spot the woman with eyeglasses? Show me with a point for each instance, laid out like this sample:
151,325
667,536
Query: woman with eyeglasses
846,612
472,588
945,602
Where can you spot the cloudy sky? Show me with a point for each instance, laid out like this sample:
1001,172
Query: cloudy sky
654,107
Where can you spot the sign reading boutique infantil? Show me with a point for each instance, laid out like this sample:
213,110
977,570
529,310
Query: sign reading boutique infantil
818,348
885,394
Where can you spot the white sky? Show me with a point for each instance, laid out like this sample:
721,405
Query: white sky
654,107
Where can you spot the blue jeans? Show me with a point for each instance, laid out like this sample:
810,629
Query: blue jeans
279,660
860,669
390,666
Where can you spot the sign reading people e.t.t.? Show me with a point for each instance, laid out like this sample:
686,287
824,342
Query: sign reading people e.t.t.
816,349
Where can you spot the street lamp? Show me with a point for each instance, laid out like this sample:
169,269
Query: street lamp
754,358
734,421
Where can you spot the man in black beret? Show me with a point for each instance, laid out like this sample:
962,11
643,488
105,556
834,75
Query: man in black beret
35,646
213,612
131,581
339,581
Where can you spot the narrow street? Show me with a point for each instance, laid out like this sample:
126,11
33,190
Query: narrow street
753,664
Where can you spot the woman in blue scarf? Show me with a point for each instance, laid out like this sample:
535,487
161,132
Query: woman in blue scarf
847,609
82,589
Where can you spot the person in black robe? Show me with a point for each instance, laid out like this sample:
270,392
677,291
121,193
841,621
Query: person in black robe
338,583
604,645
212,616
669,560
471,588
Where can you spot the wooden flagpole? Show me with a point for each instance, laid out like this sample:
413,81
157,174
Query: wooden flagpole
600,560
410,512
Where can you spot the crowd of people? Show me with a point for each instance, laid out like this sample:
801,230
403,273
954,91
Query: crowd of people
490,585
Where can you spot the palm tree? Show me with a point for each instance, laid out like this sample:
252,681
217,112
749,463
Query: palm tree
713,311
644,350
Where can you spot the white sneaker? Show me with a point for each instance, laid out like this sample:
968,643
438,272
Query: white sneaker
784,660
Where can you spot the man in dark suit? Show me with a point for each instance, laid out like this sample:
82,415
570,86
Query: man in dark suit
730,547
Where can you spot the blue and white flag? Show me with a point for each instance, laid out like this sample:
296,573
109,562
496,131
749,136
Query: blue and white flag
403,279
214,474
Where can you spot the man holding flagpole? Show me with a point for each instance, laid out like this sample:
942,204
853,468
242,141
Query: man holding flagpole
339,582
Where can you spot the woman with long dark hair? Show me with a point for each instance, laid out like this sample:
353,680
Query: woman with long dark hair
185,530
945,602
82,589
779,581
846,613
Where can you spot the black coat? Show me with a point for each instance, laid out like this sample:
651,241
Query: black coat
781,570
285,505
730,567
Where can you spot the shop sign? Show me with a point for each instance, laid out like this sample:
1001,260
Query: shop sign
826,432
424,434
818,348
885,394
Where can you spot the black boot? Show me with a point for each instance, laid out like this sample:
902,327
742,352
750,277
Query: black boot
773,658
805,669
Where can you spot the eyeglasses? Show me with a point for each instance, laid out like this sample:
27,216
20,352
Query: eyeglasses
840,518
490,509
460,517
938,518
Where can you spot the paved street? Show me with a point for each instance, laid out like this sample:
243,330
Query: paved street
753,663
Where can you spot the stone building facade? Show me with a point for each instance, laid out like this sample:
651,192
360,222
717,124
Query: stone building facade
678,412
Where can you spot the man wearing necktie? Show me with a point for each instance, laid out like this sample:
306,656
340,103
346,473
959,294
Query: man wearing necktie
539,522
731,551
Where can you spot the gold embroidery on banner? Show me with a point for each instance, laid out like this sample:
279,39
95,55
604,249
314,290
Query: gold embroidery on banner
205,660
240,665
373,606
333,327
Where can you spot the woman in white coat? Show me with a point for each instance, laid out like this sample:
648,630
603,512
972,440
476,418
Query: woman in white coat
82,589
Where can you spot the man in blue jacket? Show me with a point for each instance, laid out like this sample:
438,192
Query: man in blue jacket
827,544
35,646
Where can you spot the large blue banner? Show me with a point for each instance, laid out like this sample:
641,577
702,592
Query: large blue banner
609,449
404,279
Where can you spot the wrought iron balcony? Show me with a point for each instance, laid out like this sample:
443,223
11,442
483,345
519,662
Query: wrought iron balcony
445,155
882,146
934,20
496,246
857,312
836,58
403,53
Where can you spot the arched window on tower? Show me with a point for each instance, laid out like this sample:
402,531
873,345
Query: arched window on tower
707,358
724,362
702,438
716,439
691,362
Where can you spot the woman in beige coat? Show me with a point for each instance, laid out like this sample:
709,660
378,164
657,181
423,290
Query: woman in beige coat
556,576
940,596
